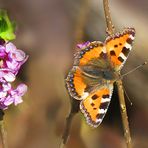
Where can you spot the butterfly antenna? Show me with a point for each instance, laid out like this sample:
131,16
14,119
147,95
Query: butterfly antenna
127,96
134,69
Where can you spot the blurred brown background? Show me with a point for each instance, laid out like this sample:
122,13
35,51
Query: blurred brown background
47,30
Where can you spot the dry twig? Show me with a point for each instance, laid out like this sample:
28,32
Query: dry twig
75,103
2,131
110,30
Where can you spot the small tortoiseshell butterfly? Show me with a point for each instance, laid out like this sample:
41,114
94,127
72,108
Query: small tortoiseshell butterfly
96,67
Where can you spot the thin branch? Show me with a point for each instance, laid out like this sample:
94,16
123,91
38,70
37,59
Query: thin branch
3,131
110,30
67,127
110,26
75,103
124,114
73,112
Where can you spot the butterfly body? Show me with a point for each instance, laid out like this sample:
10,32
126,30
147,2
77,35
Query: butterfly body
96,67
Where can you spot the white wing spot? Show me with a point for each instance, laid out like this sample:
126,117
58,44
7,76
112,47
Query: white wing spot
122,56
132,37
102,111
99,120
103,100
128,46
104,50
85,95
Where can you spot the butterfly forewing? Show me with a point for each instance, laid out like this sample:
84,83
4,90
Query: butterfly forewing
118,47
86,55
75,83
84,75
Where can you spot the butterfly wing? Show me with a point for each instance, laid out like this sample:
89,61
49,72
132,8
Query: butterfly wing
86,73
95,106
119,45
94,50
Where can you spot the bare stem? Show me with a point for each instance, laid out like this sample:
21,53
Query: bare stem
110,26
78,38
74,110
110,30
3,131
124,114
67,129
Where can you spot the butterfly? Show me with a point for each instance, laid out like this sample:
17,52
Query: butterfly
96,67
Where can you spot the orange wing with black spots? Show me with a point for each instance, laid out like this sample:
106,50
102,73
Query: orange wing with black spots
93,51
84,76
95,106
79,84
119,45
75,83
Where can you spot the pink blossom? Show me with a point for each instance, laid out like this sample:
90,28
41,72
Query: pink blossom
11,60
9,96
83,45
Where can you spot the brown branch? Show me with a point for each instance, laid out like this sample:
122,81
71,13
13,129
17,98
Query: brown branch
110,30
110,26
74,110
124,114
78,38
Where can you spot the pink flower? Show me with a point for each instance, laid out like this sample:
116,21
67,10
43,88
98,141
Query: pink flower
11,59
7,75
10,96
83,45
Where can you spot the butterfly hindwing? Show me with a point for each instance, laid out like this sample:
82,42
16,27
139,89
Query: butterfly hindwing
119,45
75,83
95,106
80,84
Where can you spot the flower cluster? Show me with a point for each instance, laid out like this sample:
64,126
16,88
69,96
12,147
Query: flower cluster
11,60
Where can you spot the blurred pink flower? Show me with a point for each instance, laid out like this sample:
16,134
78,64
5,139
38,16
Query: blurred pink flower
83,45
8,95
11,60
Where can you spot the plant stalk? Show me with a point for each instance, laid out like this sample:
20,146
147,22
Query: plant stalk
110,30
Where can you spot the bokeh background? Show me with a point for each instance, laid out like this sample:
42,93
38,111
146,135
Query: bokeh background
48,31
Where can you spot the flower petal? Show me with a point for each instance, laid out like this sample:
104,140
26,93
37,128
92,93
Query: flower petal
10,47
9,100
2,51
21,89
83,45
18,100
2,94
6,86
12,65
18,55
9,77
